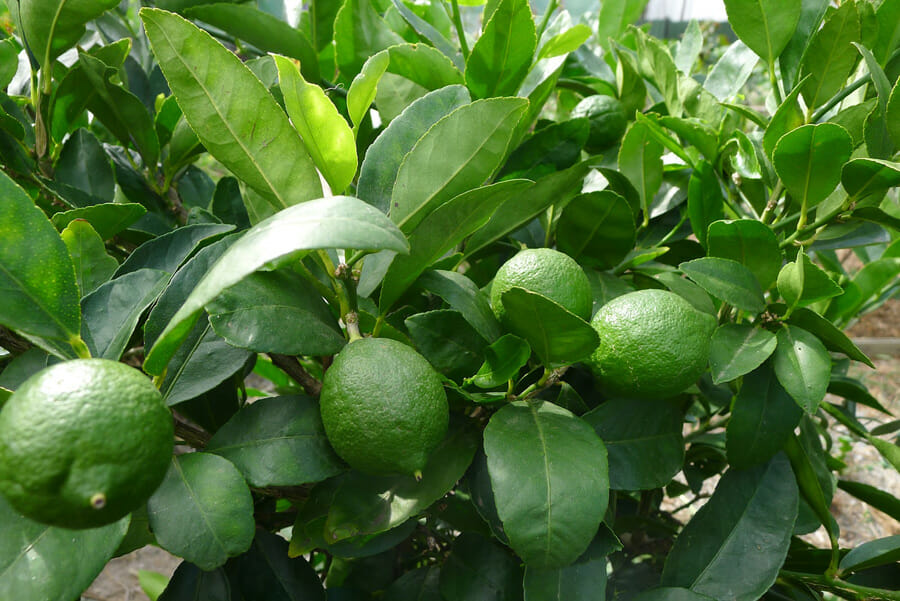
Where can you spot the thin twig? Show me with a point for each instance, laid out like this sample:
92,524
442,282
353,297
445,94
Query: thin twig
189,433
291,366
12,342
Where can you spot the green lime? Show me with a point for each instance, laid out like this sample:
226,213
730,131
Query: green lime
83,443
547,272
653,344
608,121
383,407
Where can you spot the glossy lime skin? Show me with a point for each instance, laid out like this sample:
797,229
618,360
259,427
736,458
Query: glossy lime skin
83,443
653,344
547,272
383,407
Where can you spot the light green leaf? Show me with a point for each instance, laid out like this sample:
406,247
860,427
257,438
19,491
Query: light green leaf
92,265
565,42
364,87
359,32
863,177
234,115
737,349
809,159
335,222
803,366
500,59
802,282
549,504
502,361
749,242
202,511
640,160
830,57
766,26
37,561
727,280
324,131
472,142
107,219
616,16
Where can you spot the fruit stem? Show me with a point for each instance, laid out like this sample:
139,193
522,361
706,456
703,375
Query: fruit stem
80,348
842,586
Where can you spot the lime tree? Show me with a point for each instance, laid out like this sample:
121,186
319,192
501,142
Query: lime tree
383,407
653,344
83,443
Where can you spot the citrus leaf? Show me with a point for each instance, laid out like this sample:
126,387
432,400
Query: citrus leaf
384,157
463,295
203,510
427,31
500,59
876,497
830,58
446,339
92,265
705,200
169,251
549,504
359,32
802,282
668,593
325,133
737,349
107,219
472,143
111,312
277,441
190,583
502,361
892,118
640,160
276,312
267,572
643,440
335,222
763,417
558,336
788,117
810,480
442,230
152,583
364,87
478,568
833,339
577,582
234,115
766,26
420,584
40,293
750,515
854,390
27,548
803,366
565,42
727,280
83,164
871,554
809,159
596,229
863,177
730,73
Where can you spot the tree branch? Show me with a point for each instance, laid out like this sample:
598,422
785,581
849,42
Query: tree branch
12,342
291,366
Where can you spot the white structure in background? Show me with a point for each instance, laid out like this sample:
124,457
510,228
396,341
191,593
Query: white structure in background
685,10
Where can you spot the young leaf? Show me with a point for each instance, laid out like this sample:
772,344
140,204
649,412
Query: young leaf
277,441
472,142
802,282
429,32
335,222
502,361
762,419
557,336
809,159
233,113
107,219
40,293
726,280
803,366
203,510
549,505
737,349
643,440
565,41
364,87
750,516
92,265
766,26
597,229
385,155
731,72
324,131
502,55
27,548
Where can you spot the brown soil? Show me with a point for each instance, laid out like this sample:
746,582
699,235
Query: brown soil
884,322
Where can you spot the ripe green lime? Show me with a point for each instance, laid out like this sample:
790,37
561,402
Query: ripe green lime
653,344
83,443
608,121
547,272
383,407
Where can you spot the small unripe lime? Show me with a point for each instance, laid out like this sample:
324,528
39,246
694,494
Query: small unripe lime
83,443
653,344
383,407
547,272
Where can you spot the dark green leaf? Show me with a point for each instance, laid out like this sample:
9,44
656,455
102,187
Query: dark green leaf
671,594
277,441
816,486
84,165
876,497
169,251
40,293
447,340
478,568
596,229
335,222
549,504
442,230
554,147
557,336
359,32
28,550
788,117
811,15
203,510
502,361
750,243
111,312
809,159
190,583
234,115
737,349
763,417
643,440
727,280
386,154
872,553
705,200
107,219
471,141
865,177
502,55
463,295
584,580
830,57
421,584
833,339
854,390
266,572
765,26
276,312
750,516
803,366
92,265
